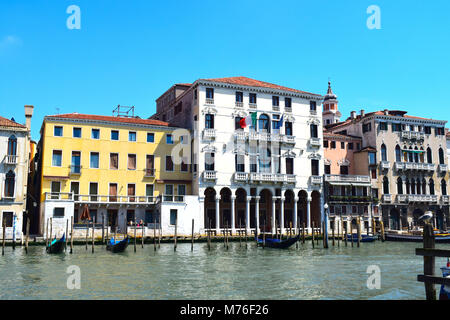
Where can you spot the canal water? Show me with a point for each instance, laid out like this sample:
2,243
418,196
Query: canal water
237,273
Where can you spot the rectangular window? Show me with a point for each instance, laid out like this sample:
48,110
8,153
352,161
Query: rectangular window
314,132
58,131
56,189
312,105
239,96
130,216
169,139
327,169
131,192
75,189
253,164
287,102
57,158
344,170
181,189
367,127
240,163
209,93
325,143
113,192
58,213
114,135
333,144
169,163
314,167
396,127
149,190
114,161
373,173
288,130
275,101
8,219
350,146
209,121
169,189
383,126
343,145
95,134
132,136
252,98
75,166
131,162
150,137
93,190
94,163
427,130
150,164
77,132
209,161
289,166
372,158
173,216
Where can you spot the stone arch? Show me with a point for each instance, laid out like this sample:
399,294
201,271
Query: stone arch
210,208
394,219
265,210
240,207
289,199
225,208
302,207
315,208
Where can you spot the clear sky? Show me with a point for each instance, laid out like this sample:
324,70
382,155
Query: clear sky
130,52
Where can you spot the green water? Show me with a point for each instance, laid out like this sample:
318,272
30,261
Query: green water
237,273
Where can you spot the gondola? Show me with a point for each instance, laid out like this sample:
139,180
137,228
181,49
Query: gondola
364,238
56,246
277,243
117,246
413,238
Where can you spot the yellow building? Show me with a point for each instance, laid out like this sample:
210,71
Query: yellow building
121,167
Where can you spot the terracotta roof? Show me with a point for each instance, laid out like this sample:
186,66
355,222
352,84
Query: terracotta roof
340,135
184,84
110,118
9,123
244,81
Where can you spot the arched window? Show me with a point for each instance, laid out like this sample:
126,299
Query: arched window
385,185
398,154
443,187
399,186
416,155
383,153
265,161
441,156
264,123
424,186
9,184
413,186
408,187
12,146
429,156
422,155
431,187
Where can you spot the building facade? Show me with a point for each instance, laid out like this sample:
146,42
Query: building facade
14,164
122,168
256,151
406,159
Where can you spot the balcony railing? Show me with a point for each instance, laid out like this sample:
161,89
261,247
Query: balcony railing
276,108
402,198
252,105
315,142
239,104
347,178
289,139
445,199
209,175
95,198
350,198
149,172
422,198
443,168
316,179
415,166
385,165
413,135
75,169
209,133
11,159
288,109
172,198
209,101
241,177
387,197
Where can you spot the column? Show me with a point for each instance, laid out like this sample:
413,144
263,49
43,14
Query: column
203,223
233,218
217,215
257,213
247,213
273,214
308,213
282,214
294,220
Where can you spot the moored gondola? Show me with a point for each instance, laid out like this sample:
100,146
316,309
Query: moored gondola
416,238
117,246
364,238
277,243
56,246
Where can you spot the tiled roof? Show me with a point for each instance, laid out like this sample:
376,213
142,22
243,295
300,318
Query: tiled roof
80,116
244,81
340,135
9,123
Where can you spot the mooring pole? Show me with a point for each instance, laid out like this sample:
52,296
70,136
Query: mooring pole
175,239
192,236
28,233
71,235
429,261
93,231
67,235
135,234
3,240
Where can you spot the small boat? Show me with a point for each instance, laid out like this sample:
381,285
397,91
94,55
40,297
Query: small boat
117,245
444,294
277,243
56,246
416,238
364,238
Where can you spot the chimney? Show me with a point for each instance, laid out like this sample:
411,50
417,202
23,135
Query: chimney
363,113
28,115
386,112
353,114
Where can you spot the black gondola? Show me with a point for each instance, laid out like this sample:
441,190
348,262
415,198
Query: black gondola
413,238
277,243
56,246
117,246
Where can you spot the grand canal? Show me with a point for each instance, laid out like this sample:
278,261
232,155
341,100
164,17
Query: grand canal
237,273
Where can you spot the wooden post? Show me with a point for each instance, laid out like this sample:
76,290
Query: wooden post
51,230
429,261
373,227
332,231
107,232
159,232
264,233
297,232
67,235
28,233
227,236
382,231
358,230
103,228
318,233
135,234
87,233
93,233
312,234
154,236
303,233
192,236
240,234
143,235
46,233
209,235
344,232
351,231
175,239
71,235
3,240
290,229
338,234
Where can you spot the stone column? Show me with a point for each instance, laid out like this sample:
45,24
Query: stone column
233,218
257,213
247,213
273,214
294,220
282,214
217,215
308,213
202,222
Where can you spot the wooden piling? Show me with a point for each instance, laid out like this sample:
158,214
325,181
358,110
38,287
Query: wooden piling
93,234
103,228
382,231
338,234
358,230
303,233
71,235
3,239
46,233
107,233
67,235
154,236
344,232
143,235
175,238
264,234
135,225
312,234
192,236
429,261
27,233
209,235
332,231
87,233
373,226
240,234
51,229
351,232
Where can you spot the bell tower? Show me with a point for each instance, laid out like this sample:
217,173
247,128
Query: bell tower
330,112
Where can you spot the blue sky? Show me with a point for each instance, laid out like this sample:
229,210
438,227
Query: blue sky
130,52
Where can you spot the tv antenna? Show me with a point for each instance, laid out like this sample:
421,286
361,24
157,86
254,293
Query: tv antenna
123,111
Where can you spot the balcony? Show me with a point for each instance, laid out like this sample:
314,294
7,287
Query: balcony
240,135
413,135
350,199
239,104
209,175
313,112
252,105
209,101
445,199
402,198
75,169
149,172
10,159
209,134
422,198
275,108
347,179
99,199
288,109
288,139
172,198
419,166
291,179
443,168
387,197
240,177
316,180
385,165
315,142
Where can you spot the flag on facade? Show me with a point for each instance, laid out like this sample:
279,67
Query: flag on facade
280,123
250,120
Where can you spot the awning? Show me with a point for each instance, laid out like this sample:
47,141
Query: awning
413,151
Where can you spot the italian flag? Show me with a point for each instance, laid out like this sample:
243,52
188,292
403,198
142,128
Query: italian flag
249,120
